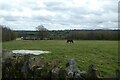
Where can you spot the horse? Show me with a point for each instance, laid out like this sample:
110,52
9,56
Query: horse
70,41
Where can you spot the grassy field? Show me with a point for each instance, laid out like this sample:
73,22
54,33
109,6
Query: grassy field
101,53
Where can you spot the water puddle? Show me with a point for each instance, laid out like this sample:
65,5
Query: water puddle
35,52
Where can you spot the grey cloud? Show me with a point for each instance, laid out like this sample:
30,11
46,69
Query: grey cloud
55,6
9,6
41,19
64,17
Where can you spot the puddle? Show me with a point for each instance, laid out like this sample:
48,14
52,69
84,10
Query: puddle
35,52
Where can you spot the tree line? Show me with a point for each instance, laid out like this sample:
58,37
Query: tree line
93,35
7,33
73,34
43,33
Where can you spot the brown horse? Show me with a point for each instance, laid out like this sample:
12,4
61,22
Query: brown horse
70,41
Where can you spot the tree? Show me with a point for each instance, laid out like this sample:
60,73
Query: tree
7,33
73,35
42,32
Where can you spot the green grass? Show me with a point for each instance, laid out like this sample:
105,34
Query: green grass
101,53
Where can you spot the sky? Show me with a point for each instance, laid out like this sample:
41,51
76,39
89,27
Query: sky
59,14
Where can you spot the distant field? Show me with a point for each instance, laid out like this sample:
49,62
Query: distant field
101,53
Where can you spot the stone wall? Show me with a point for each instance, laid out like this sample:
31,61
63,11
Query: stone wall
25,67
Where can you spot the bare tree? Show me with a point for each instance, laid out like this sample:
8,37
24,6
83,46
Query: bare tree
42,32
7,33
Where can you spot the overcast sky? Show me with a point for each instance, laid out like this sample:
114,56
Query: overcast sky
59,14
